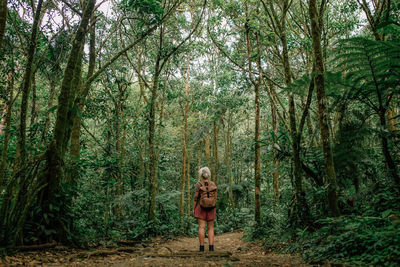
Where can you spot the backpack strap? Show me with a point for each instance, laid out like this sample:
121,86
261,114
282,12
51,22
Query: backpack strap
198,195
208,192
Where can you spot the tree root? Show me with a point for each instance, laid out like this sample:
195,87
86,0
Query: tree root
32,247
102,252
132,242
190,254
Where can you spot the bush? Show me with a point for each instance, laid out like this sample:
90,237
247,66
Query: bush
355,240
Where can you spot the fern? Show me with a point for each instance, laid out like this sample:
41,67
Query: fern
369,70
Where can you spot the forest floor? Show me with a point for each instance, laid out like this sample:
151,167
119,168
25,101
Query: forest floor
230,250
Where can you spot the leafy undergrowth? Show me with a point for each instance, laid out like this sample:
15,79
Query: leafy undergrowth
353,239
369,234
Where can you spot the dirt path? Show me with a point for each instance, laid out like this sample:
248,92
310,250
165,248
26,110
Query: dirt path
230,250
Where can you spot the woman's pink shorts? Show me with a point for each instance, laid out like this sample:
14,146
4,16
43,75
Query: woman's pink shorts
206,215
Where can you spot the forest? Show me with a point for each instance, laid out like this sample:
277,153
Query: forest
109,108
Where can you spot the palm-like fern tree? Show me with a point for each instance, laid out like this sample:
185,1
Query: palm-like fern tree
370,72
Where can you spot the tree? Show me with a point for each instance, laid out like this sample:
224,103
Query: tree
316,15
26,87
3,19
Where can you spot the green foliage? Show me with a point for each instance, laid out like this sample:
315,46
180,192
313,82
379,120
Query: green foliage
145,7
372,70
229,220
359,240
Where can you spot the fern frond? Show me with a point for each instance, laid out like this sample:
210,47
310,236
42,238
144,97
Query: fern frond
369,68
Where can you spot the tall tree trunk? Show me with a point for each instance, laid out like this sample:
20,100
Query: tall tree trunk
184,141
26,86
152,143
3,20
75,147
391,117
7,122
183,171
207,149
257,159
142,168
189,202
53,84
34,104
385,149
3,117
56,150
119,144
301,213
275,173
198,156
316,21
257,146
312,141
152,152
230,158
75,88
215,154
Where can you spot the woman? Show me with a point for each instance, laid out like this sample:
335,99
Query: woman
205,193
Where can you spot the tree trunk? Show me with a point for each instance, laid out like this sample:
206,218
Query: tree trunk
207,149
386,152
3,116
257,159
75,147
300,206
53,84
183,171
257,146
152,146
391,117
275,173
152,153
184,141
189,202
198,157
7,122
322,102
3,20
215,154
119,145
34,104
312,141
56,150
141,167
26,86
229,160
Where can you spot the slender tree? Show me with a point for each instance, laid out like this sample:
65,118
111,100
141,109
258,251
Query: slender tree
316,16
184,141
256,82
26,86
7,122
3,20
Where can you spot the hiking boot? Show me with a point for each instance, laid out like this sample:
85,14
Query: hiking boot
201,248
211,248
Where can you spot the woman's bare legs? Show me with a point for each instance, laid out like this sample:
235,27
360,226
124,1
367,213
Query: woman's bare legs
202,227
210,229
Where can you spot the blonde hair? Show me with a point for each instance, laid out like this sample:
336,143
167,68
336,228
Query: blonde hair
205,173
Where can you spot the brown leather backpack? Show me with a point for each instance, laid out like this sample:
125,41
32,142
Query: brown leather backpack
208,194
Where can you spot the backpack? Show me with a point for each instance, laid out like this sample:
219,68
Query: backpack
208,195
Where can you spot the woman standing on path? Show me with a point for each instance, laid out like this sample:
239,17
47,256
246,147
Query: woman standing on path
205,199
